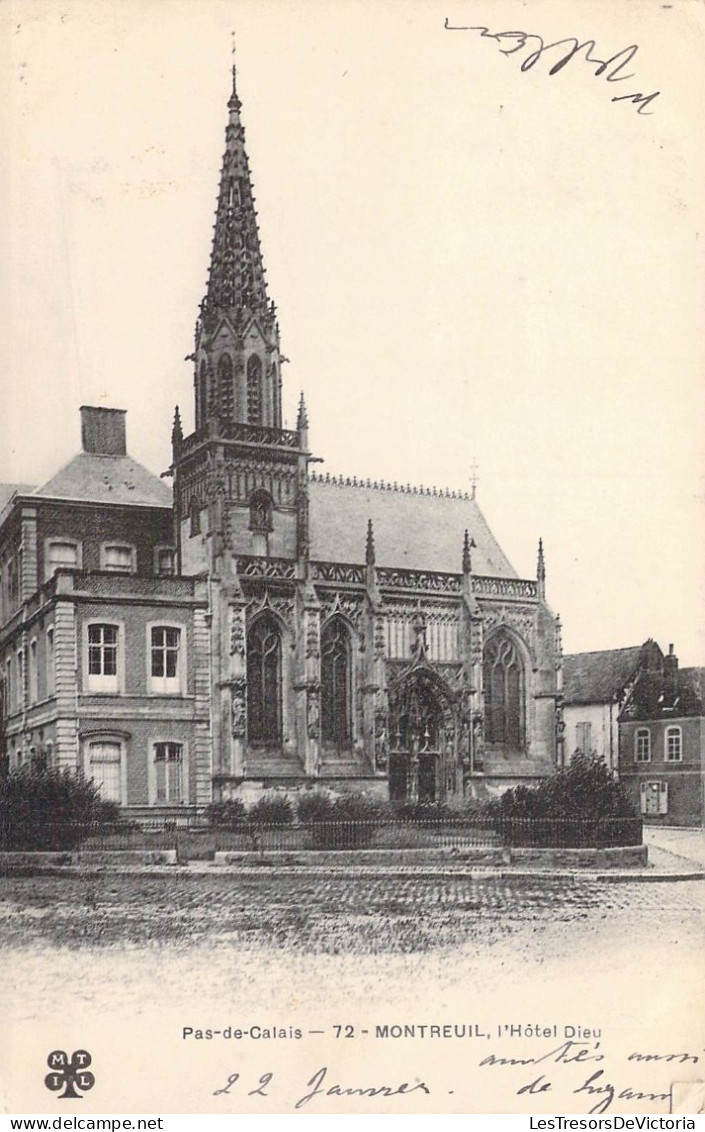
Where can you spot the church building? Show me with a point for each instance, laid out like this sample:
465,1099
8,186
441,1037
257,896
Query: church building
268,626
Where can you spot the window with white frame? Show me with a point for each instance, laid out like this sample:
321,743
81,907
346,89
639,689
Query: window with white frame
103,657
62,554
117,558
104,765
168,772
50,679
642,745
673,745
165,561
166,660
9,687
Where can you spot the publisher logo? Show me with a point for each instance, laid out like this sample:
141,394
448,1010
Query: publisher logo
69,1074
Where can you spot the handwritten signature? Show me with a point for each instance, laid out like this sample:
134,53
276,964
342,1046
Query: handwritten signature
609,68
596,1084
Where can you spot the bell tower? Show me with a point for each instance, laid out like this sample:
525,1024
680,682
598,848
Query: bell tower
241,498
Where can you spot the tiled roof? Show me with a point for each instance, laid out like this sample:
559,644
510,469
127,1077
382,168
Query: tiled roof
597,677
107,479
7,490
412,528
656,696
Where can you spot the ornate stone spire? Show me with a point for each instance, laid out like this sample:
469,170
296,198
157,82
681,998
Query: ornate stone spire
236,283
302,417
370,545
468,545
237,376
541,572
177,433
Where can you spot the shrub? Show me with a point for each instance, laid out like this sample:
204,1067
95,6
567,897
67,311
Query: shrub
46,808
271,809
227,815
314,807
581,804
425,812
348,822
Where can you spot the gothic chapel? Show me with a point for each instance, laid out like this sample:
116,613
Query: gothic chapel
362,635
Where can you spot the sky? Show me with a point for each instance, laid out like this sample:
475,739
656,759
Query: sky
475,266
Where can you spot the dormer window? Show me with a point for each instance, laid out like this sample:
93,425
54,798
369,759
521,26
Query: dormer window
165,561
62,554
118,558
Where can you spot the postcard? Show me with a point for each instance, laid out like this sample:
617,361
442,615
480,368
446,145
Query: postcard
351,542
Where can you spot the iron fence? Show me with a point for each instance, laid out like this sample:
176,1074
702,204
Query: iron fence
194,838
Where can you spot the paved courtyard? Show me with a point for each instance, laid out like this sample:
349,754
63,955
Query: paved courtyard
119,963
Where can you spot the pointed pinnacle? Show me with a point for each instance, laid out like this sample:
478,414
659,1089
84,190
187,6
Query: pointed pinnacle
468,545
541,565
177,433
302,418
370,545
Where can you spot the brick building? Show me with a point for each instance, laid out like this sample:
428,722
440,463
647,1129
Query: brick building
274,627
662,744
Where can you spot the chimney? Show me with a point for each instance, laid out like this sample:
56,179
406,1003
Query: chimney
670,672
103,431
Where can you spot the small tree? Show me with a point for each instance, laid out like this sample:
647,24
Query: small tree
581,804
43,807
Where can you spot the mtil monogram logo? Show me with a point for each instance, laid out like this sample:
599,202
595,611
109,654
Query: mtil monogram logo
69,1075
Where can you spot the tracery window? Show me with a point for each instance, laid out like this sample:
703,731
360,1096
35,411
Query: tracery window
226,399
254,390
503,676
336,685
264,692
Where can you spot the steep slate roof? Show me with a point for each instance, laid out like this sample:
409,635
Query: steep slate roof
415,530
7,490
94,478
597,677
657,696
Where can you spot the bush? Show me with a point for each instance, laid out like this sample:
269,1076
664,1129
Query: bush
580,805
348,822
271,809
43,808
425,812
227,815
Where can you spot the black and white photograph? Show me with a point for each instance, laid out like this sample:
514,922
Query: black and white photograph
352,613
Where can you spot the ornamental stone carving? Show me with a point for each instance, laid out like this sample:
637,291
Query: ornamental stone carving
238,708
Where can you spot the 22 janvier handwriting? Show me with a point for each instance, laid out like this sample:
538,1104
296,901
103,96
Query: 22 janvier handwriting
570,48
595,1085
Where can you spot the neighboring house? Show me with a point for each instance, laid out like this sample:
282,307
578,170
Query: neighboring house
662,745
276,626
595,686
103,652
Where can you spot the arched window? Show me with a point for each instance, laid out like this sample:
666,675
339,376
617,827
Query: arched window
226,399
264,658
254,390
336,721
260,512
276,407
503,677
194,517
202,394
